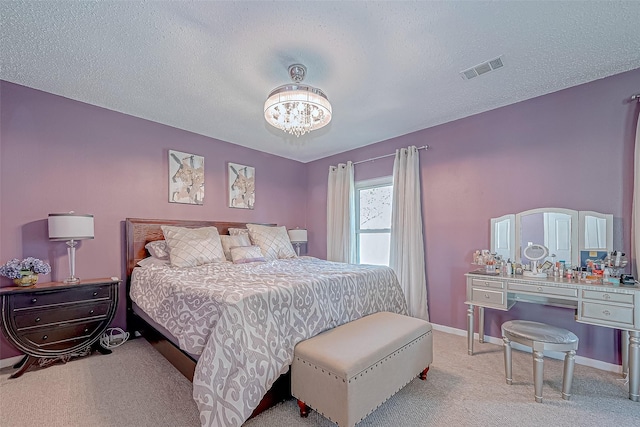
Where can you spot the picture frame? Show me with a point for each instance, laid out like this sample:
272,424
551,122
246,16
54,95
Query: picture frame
241,186
186,178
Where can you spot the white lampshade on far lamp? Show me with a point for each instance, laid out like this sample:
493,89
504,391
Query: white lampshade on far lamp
297,237
71,227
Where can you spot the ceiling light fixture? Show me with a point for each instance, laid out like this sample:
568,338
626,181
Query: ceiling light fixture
297,108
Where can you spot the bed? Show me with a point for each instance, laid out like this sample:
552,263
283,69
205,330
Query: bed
242,321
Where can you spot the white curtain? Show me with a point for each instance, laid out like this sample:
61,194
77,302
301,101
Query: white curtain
635,215
341,214
407,243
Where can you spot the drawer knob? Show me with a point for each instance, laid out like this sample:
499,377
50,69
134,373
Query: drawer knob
34,300
486,283
487,296
44,337
606,296
37,319
86,330
95,294
90,311
539,288
606,312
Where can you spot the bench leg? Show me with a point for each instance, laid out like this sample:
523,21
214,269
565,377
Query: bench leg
423,374
304,409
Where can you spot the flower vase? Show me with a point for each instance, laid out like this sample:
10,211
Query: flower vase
27,278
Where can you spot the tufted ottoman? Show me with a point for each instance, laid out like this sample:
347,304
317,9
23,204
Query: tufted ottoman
347,372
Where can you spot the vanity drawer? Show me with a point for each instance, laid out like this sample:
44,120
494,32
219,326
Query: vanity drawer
488,297
605,312
495,284
542,289
607,296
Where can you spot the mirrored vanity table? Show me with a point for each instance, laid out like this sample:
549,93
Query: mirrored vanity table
573,235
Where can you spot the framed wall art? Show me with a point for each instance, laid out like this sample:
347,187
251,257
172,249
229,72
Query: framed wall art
186,178
242,186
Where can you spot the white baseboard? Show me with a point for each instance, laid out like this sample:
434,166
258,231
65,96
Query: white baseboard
580,360
10,361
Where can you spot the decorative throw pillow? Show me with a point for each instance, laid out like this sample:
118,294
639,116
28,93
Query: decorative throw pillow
244,254
189,247
273,241
238,232
158,249
230,241
153,261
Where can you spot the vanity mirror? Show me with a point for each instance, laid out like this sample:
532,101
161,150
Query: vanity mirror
571,235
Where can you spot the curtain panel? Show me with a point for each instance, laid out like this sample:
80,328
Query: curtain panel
635,215
407,241
341,214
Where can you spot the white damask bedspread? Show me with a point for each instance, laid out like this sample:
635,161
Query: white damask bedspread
245,319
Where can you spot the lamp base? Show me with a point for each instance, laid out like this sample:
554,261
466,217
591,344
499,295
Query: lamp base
72,280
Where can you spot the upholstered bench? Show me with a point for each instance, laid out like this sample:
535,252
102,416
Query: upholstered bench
347,372
540,337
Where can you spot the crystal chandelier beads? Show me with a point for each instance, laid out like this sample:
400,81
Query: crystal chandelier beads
297,108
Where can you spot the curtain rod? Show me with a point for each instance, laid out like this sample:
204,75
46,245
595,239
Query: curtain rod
424,147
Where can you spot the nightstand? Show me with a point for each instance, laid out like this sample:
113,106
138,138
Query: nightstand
55,320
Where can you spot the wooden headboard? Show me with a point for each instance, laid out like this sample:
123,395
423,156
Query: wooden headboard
139,232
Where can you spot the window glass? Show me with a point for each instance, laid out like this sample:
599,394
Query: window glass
374,248
373,210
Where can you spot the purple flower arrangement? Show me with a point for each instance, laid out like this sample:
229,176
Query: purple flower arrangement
13,269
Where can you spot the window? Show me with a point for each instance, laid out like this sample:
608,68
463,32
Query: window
373,220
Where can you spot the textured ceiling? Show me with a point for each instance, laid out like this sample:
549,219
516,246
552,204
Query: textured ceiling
388,68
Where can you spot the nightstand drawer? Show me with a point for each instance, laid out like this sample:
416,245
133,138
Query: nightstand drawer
61,337
39,318
39,299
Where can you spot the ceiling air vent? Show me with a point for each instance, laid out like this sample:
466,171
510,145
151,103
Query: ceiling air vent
483,68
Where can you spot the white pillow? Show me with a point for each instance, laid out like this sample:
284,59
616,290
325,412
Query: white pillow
245,254
190,247
273,241
230,241
238,231
158,249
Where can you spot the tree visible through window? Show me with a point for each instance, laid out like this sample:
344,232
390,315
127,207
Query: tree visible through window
373,220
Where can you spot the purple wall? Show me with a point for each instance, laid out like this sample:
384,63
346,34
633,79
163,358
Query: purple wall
58,155
580,141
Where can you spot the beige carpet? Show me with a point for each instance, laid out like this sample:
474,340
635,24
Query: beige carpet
136,387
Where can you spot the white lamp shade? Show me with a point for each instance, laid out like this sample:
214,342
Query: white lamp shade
298,235
70,226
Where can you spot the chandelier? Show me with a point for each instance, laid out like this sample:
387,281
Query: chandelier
297,108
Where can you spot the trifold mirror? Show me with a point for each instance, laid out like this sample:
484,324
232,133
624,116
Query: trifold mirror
572,236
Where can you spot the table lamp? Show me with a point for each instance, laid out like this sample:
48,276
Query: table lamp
70,227
297,237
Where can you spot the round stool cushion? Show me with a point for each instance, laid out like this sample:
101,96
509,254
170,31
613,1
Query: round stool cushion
541,332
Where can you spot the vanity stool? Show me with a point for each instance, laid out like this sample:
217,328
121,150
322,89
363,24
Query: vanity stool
540,337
